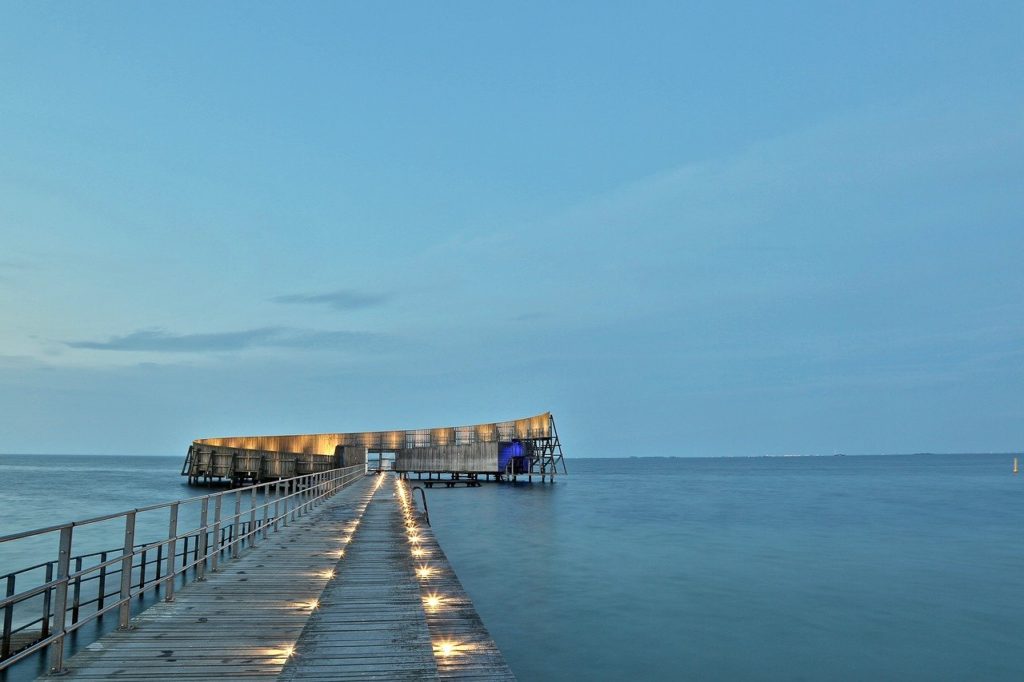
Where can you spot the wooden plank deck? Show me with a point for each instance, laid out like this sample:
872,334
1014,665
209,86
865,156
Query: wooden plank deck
336,596
462,646
243,621
370,624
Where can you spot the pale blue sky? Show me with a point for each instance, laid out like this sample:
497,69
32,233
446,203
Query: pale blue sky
754,228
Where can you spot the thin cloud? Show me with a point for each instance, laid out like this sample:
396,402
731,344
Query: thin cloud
162,341
342,299
10,268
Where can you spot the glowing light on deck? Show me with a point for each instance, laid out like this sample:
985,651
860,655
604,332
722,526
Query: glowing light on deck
446,647
424,571
284,653
418,552
432,601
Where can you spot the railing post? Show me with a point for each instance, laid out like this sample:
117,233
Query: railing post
172,533
217,542
46,601
77,593
102,589
266,509
305,495
142,573
236,539
277,505
252,518
201,563
287,501
5,647
60,612
124,612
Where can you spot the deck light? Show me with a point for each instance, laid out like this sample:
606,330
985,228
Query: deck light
432,601
418,551
424,571
446,648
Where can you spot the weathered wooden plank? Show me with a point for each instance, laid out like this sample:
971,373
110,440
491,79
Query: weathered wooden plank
375,585
336,596
462,646
253,610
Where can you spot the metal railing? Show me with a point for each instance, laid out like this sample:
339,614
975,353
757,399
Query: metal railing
423,494
60,598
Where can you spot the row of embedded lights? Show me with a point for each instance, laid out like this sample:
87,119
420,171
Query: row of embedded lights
432,601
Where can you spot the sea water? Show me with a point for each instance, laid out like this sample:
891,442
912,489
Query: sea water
815,568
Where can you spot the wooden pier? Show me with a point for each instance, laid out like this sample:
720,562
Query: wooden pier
357,588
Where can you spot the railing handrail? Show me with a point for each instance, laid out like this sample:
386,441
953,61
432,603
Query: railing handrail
161,505
300,494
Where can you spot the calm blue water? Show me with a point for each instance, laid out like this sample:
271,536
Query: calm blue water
839,568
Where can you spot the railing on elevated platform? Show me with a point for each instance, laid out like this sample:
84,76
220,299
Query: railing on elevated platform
56,586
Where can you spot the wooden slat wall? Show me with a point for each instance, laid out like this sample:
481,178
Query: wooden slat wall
476,458
538,426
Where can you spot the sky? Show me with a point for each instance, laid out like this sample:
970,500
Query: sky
732,230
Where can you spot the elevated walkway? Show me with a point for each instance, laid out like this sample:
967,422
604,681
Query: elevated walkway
355,589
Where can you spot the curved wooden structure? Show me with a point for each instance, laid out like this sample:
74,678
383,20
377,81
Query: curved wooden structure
527,446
